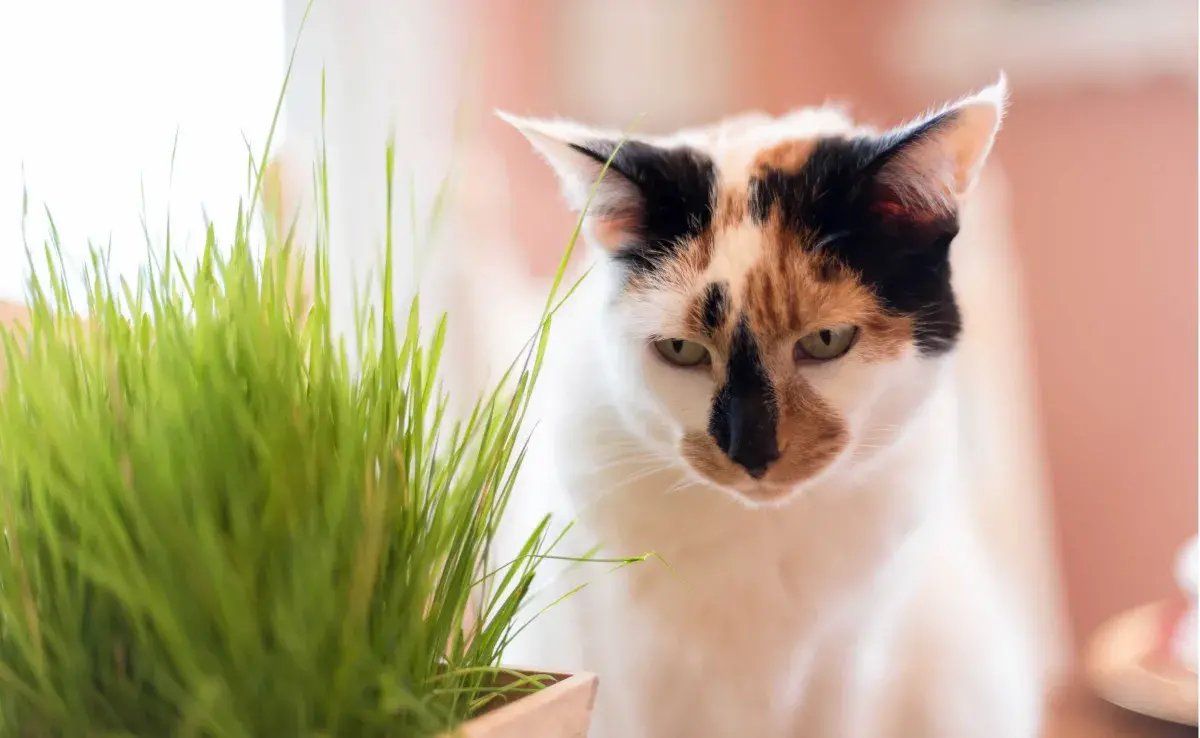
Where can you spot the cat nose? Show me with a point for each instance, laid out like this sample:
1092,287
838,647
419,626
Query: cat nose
744,428
754,458
758,472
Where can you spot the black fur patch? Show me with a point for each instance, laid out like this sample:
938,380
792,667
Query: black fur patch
745,415
676,186
836,200
714,307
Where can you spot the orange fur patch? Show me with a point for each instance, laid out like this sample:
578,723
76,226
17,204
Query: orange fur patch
792,291
730,208
788,157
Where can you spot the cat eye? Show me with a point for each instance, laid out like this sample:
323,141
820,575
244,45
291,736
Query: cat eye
682,353
826,344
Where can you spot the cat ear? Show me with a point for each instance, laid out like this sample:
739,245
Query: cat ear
577,154
926,167
644,186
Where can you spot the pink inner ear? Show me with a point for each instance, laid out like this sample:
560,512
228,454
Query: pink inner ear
890,209
612,230
895,210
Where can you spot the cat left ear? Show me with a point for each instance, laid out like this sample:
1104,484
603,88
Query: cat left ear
927,166
577,154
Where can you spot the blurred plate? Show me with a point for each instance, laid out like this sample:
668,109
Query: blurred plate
1128,665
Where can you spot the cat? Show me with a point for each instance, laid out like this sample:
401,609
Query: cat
753,383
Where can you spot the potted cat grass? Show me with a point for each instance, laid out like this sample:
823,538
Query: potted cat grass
219,523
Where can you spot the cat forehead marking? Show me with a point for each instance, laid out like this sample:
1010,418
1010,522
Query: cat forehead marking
738,241
737,248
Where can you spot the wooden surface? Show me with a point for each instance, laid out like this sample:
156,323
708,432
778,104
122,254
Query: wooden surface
1074,712
562,710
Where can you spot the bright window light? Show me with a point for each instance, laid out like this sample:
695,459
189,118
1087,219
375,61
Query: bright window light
92,95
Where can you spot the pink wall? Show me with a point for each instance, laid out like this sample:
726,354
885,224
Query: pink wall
513,40
1105,206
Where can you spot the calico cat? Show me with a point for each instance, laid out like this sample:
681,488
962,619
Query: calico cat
753,383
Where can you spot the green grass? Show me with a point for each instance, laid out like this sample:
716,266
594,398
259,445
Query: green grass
221,518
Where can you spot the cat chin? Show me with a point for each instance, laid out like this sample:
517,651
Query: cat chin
760,495
768,496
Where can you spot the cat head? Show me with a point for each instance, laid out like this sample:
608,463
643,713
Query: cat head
781,302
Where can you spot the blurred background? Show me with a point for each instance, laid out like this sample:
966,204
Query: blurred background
1079,375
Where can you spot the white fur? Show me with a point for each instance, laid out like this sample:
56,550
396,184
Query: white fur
863,605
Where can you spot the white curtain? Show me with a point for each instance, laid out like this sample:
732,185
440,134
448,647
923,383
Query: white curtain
390,68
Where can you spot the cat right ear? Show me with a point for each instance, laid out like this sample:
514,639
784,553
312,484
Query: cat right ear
578,154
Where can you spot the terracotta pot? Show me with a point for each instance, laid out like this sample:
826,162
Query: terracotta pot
561,710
